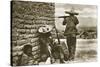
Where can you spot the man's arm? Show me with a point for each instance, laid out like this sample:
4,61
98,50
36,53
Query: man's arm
76,21
65,21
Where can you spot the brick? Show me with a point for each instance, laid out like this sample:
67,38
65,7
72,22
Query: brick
21,42
25,36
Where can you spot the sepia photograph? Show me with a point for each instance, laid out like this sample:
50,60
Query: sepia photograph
52,33
77,25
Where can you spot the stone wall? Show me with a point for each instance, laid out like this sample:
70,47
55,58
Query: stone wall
26,18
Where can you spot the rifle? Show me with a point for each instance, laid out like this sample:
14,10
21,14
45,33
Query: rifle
62,16
59,46
57,35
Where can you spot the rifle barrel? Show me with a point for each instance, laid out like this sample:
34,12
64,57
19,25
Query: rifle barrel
63,16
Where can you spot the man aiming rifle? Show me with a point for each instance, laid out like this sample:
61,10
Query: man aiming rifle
70,32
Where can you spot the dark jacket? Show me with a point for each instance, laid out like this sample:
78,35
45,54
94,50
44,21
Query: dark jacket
70,23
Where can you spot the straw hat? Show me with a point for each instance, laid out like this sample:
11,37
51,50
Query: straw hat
45,29
72,11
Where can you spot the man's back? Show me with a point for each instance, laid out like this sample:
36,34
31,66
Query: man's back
71,22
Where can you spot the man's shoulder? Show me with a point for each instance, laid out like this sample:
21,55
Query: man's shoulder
75,17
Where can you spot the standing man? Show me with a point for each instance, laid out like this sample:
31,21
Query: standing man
70,32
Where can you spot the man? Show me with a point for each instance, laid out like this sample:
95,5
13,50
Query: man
45,40
71,32
48,48
26,58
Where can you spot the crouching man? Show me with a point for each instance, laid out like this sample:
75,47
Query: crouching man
26,58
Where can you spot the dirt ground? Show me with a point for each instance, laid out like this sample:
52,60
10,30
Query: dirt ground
86,50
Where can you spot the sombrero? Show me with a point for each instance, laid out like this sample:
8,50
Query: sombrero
71,12
45,29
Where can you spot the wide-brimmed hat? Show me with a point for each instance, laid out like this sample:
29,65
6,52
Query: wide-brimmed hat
72,11
45,29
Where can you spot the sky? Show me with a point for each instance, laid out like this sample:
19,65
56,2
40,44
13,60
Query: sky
87,14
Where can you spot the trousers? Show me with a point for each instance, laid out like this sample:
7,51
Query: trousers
71,43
